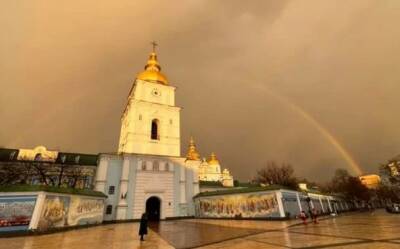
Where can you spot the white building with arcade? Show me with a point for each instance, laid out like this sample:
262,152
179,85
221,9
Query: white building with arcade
148,173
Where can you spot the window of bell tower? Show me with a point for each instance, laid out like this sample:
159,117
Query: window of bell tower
154,129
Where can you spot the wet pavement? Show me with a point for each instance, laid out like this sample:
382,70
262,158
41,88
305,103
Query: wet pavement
358,230
184,234
112,236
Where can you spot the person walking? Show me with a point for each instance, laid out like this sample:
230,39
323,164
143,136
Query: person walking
143,226
314,215
303,217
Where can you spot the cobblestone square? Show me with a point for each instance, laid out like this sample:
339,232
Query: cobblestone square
376,229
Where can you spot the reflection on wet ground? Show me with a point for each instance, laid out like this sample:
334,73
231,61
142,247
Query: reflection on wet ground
358,230
115,236
184,234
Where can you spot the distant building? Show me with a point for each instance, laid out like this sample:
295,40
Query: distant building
209,170
303,186
40,166
39,153
370,181
394,166
390,172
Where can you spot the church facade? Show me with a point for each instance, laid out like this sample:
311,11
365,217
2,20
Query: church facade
148,173
209,170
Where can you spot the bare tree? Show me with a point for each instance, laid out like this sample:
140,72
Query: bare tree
15,173
349,186
77,174
43,172
10,174
275,174
62,169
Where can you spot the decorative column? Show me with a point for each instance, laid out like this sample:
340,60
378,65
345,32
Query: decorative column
329,204
322,205
299,202
33,225
279,198
196,188
182,183
101,175
193,165
123,190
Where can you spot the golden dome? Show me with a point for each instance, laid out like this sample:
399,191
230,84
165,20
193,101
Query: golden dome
192,153
152,71
213,160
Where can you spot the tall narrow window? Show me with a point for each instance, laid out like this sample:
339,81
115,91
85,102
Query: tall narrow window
154,129
156,166
38,157
111,190
109,209
143,165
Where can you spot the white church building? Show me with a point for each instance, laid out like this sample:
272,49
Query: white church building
148,172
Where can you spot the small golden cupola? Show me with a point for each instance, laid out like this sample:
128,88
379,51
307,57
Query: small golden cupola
152,70
213,159
192,152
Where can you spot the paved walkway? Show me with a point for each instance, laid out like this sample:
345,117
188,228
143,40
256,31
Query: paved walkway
361,230
121,236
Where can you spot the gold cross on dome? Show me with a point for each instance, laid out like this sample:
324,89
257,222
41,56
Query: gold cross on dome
154,44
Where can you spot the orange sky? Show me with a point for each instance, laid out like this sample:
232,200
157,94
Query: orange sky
66,68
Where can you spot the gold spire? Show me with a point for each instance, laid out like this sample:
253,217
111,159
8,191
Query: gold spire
192,152
213,159
152,70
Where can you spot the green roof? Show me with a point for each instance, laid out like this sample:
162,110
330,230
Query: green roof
52,189
241,190
5,154
83,159
210,184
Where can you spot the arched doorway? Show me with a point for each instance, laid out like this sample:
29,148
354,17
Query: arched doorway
153,205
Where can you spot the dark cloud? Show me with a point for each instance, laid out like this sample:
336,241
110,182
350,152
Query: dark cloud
66,70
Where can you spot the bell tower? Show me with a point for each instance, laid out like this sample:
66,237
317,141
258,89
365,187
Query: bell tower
150,123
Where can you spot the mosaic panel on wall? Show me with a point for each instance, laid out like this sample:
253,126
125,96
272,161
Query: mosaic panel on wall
62,211
242,205
16,212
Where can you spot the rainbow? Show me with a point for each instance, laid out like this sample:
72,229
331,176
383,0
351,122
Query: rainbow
321,129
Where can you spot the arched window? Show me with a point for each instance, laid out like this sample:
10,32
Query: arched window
156,166
166,166
38,157
154,130
143,165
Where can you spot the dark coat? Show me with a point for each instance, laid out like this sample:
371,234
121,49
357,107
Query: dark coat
143,225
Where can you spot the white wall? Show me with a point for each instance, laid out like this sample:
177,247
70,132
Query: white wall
143,107
150,183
